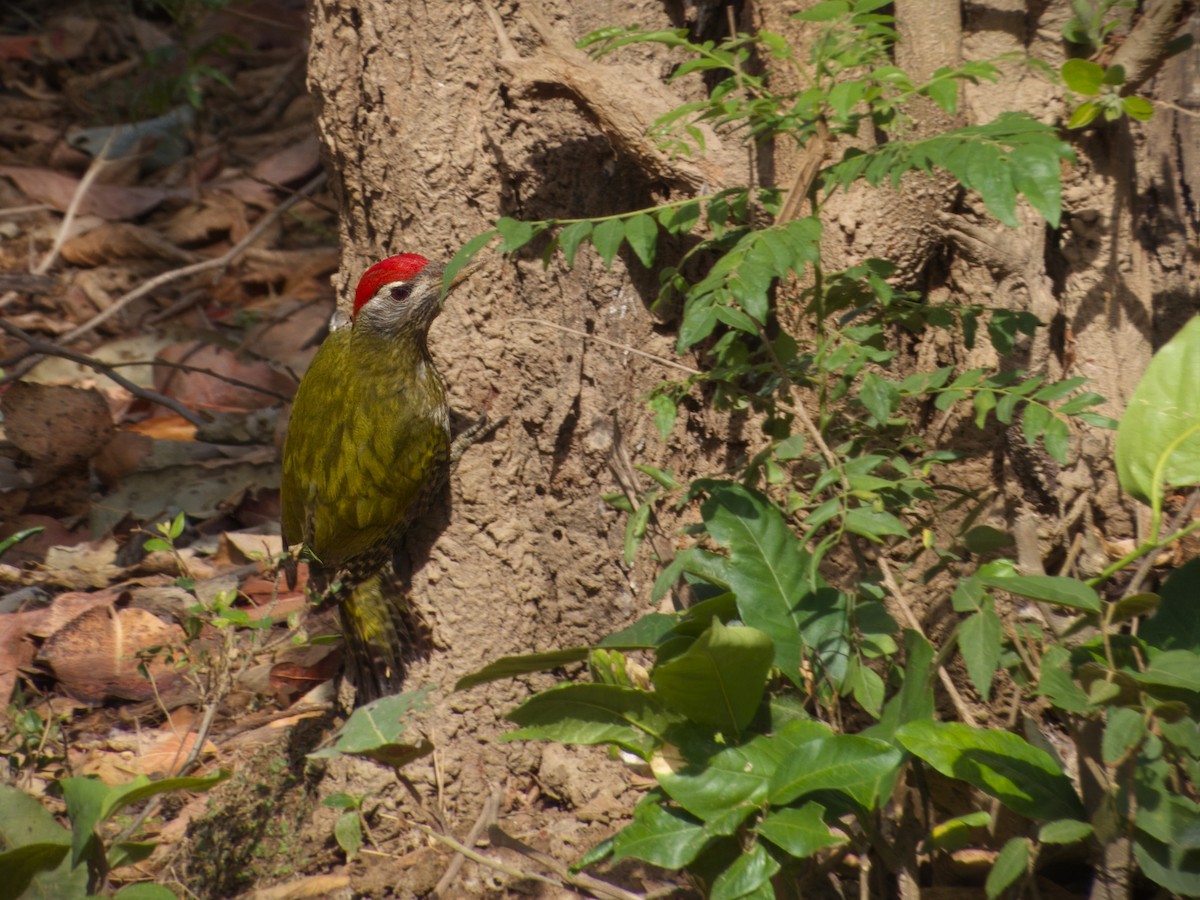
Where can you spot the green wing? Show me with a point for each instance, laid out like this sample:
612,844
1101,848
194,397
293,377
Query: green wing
368,440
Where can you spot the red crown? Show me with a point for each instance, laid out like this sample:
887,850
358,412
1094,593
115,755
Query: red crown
394,268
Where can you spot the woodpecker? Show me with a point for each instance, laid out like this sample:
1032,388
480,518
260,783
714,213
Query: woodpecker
367,449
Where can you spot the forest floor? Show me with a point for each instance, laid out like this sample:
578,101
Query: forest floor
167,238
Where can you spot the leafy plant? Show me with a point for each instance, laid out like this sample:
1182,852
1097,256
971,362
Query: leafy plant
41,853
1090,25
741,706
1104,85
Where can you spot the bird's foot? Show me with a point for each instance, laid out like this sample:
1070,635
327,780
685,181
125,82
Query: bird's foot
479,430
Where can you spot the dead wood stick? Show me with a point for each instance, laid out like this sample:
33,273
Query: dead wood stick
207,265
889,581
1145,49
85,184
491,808
500,838
482,858
623,101
46,348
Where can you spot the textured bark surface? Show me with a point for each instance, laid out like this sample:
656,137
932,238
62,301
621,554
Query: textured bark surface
434,127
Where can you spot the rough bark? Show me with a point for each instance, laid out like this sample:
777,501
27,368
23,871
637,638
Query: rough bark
438,117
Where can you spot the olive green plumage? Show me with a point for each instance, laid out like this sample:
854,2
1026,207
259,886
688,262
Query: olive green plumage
367,449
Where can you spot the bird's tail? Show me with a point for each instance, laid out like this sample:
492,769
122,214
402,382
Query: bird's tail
382,631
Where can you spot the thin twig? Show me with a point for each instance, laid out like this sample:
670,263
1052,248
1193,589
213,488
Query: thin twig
23,210
483,859
220,262
1147,563
889,581
487,816
46,348
662,360
500,838
81,190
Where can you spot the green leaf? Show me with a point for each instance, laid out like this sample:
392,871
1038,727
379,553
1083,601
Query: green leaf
724,785
865,685
956,833
1084,114
748,873
1142,604
593,714
342,800
1176,623
664,410
1055,589
769,572
1056,684
1064,831
915,697
1036,174
880,397
853,765
512,666
373,731
571,237
825,11
943,90
1022,777
1057,439
979,641
1010,865
1083,76
720,679
662,477
1175,868
514,234
647,632
635,530
34,858
986,539
641,231
1114,75
874,524
1124,730
348,833
1172,669
129,853
800,831
607,238
463,258
156,545
663,837
1158,442
680,219
987,173
144,891
85,798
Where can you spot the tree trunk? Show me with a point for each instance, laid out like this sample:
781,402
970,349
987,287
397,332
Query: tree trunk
440,117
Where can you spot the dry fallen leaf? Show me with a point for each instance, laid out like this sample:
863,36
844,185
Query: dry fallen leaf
122,240
168,752
96,655
93,564
104,200
165,428
16,652
291,163
57,426
198,390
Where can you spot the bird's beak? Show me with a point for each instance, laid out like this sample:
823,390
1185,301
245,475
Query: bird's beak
448,287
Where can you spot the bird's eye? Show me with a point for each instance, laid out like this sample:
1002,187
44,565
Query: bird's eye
401,293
